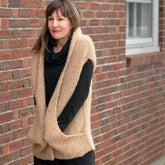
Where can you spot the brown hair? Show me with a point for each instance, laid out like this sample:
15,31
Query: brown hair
68,9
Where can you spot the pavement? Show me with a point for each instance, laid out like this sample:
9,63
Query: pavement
160,161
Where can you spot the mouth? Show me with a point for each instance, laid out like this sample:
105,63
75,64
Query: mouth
55,31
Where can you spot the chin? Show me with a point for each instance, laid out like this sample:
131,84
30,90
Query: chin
56,38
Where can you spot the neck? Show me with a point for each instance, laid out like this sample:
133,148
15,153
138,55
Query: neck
61,43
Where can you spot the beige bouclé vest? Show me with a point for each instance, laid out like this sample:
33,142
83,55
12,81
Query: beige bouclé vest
48,142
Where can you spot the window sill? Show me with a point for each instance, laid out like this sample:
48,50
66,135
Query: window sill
145,59
139,49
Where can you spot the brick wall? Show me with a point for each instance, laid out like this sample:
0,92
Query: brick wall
104,21
20,23
128,114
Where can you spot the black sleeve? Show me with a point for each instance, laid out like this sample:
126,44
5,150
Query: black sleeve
79,96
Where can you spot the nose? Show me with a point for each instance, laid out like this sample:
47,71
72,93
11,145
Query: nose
55,23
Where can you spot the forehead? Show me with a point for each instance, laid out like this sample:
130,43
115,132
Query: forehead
57,12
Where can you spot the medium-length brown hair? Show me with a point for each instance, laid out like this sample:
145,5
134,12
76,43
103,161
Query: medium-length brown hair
69,10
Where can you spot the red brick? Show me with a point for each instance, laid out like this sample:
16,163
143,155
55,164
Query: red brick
6,117
15,3
23,132
6,86
26,151
16,84
35,3
5,149
5,34
25,92
25,43
26,161
5,138
15,13
88,14
5,75
25,102
15,64
100,14
32,42
16,125
25,3
15,104
15,114
15,74
25,122
33,13
15,43
15,53
4,44
16,145
25,53
4,23
24,13
41,13
4,3
24,73
34,33
43,4
24,33
5,65
17,162
93,6
25,63
15,34
24,113
105,7
15,23
42,22
6,158
5,13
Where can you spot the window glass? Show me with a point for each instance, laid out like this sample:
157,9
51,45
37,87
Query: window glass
139,20
144,21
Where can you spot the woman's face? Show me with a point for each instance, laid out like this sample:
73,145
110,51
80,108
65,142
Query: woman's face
59,26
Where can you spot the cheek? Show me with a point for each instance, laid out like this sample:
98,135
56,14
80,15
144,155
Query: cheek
69,27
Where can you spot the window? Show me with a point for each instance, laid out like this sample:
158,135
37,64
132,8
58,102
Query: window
142,26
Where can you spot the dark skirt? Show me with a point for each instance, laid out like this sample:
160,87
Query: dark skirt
87,159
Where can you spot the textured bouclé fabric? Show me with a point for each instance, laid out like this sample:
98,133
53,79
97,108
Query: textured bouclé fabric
48,141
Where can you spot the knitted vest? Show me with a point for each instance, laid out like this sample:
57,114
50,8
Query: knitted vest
48,142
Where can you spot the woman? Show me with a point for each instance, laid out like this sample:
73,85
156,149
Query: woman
62,67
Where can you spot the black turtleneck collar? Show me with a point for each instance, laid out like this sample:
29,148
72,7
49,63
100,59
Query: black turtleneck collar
52,58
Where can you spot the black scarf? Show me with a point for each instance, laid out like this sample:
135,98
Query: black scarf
53,66
52,58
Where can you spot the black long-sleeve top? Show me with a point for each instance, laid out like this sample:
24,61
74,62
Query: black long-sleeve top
53,66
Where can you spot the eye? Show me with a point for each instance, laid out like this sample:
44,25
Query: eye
50,19
60,19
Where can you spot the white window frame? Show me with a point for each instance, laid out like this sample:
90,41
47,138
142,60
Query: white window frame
147,45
